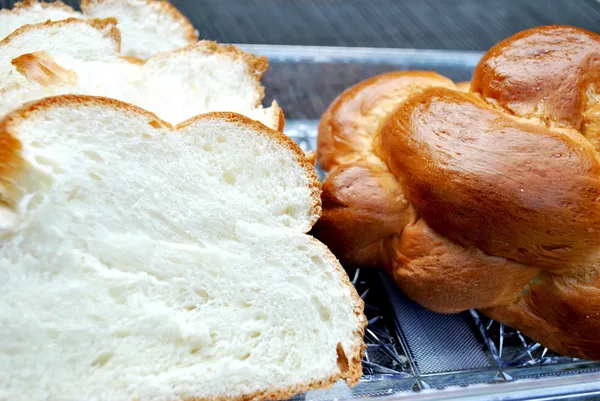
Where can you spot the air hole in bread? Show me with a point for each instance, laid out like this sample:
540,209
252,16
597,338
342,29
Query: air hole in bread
195,350
202,293
207,147
34,201
190,307
36,144
46,161
324,312
116,294
174,260
342,359
221,139
317,260
90,154
122,333
229,177
102,359
244,357
255,334
95,176
73,194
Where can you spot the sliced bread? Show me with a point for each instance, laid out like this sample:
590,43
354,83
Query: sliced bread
148,26
176,85
142,261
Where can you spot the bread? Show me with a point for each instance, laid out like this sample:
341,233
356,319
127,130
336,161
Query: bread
463,86
480,199
176,85
142,261
148,26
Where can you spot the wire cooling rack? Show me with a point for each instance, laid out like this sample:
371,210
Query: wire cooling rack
409,348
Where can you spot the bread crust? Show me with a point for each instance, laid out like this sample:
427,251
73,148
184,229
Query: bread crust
41,68
544,83
352,369
464,86
483,196
22,5
505,200
164,6
107,26
347,126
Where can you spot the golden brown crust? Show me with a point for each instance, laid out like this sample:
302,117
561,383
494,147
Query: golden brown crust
463,86
41,68
347,127
483,196
11,165
164,7
280,118
134,60
561,312
107,26
511,188
541,73
363,209
352,371
446,277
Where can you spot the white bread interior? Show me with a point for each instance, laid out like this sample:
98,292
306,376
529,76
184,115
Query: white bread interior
141,261
177,85
148,26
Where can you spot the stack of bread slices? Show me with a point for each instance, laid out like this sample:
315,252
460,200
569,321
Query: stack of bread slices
153,218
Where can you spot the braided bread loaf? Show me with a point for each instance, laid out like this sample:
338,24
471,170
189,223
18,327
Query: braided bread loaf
487,199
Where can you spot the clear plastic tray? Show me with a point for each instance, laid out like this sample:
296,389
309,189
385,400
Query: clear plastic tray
411,352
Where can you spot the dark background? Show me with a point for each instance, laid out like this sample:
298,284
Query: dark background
422,24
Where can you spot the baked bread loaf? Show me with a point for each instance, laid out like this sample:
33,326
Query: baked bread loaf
148,26
143,261
76,56
487,199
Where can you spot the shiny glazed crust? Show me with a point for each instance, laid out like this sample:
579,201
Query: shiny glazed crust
478,195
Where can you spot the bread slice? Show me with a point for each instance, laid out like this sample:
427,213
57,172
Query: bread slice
148,26
33,12
141,261
67,40
176,85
